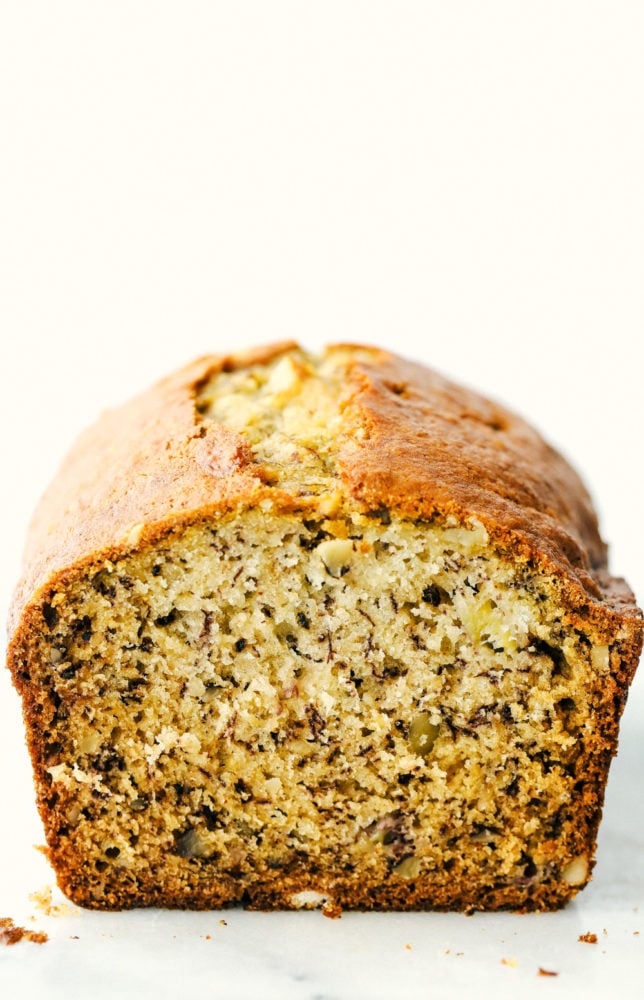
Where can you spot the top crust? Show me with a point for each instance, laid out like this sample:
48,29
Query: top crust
410,441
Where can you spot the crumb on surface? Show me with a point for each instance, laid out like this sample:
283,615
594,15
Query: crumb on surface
546,972
11,933
588,937
44,902
512,962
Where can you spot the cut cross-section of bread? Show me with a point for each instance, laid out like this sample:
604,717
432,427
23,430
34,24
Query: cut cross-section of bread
332,631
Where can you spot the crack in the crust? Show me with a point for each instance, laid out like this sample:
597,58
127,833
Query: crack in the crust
288,413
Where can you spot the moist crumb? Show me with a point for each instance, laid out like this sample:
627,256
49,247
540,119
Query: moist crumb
365,733
11,933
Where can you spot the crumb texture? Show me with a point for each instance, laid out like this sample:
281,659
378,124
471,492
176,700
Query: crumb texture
262,695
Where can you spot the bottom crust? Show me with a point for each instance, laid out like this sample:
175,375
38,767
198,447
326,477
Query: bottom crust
331,894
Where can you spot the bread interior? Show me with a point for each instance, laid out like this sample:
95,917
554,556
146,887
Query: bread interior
351,695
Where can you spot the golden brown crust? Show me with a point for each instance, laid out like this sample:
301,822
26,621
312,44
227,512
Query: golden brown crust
412,442
149,465
423,446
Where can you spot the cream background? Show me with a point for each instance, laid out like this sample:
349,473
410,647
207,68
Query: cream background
459,181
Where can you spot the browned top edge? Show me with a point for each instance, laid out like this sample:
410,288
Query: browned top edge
139,471
412,441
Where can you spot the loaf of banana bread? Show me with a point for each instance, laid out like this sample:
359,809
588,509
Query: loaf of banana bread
301,631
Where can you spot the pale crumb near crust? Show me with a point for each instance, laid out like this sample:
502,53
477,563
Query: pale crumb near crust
600,658
308,899
134,535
